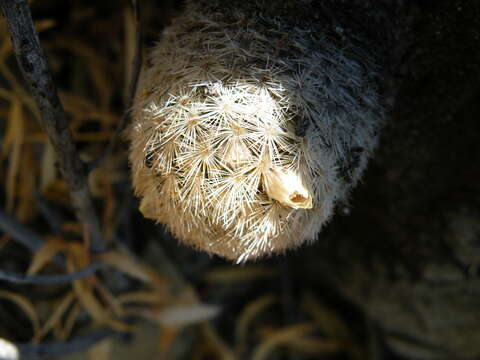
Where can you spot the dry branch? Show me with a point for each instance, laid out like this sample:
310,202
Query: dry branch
19,233
51,279
53,119
39,351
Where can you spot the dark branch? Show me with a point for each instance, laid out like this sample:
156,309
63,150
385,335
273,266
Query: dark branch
132,88
27,238
39,351
35,70
22,235
51,279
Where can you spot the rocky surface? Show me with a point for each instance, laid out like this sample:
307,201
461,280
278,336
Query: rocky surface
409,251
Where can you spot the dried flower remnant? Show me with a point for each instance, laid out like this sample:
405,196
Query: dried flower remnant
287,188
247,127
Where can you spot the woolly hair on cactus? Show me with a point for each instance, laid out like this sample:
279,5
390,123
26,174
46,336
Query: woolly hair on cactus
250,123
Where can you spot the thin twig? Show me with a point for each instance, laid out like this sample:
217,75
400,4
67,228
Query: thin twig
33,65
24,236
132,87
39,351
27,238
51,279
53,219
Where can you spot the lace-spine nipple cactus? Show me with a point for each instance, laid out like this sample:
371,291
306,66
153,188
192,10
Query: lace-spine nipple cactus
250,124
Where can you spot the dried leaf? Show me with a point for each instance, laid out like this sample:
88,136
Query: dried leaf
248,315
76,105
282,337
112,301
69,322
178,316
52,246
26,306
19,90
6,95
332,325
135,269
57,192
125,264
46,24
213,339
85,295
56,316
49,172
57,330
13,141
73,227
328,320
80,253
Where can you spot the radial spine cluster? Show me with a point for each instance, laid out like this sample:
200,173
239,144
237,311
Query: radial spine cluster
249,125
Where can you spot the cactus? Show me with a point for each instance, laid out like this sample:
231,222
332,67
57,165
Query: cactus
251,122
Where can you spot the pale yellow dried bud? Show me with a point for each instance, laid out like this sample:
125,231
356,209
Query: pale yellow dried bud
286,186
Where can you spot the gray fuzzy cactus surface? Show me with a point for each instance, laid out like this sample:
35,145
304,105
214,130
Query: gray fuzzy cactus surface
250,123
